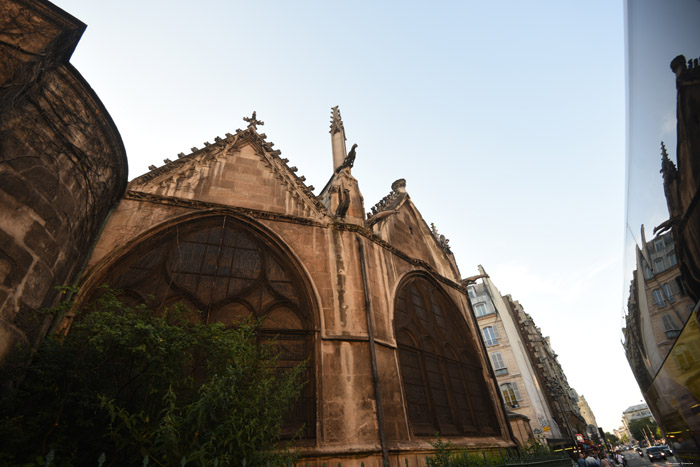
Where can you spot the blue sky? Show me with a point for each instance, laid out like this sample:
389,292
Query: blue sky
506,118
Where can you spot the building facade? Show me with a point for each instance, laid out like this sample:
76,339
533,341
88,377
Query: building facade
233,231
517,382
589,418
658,305
373,301
632,413
531,380
561,397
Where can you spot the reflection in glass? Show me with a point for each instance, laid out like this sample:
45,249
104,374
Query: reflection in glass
662,272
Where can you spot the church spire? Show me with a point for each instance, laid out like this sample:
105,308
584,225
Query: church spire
337,138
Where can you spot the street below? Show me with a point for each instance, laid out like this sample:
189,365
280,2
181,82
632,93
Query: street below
635,460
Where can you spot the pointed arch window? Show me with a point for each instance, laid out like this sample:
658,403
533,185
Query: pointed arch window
442,377
229,272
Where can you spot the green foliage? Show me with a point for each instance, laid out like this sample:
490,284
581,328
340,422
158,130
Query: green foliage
442,452
446,456
131,383
534,448
644,425
614,440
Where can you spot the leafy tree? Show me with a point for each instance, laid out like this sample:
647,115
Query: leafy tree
614,440
126,383
640,426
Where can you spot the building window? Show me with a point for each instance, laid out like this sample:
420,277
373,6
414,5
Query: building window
670,327
223,267
440,368
659,265
658,298
511,394
659,245
648,273
480,309
668,293
499,367
672,260
490,334
684,358
472,295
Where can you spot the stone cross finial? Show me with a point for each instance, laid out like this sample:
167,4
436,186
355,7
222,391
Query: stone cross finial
253,122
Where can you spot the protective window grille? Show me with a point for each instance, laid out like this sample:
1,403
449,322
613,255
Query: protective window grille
441,373
228,272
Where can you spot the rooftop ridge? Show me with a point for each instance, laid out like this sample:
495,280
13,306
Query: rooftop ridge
250,134
392,200
442,241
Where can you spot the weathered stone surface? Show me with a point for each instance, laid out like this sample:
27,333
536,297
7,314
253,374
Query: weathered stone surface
326,252
232,230
62,164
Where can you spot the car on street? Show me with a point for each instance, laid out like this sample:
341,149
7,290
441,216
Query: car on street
658,453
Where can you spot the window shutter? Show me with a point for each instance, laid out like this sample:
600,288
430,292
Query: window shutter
516,391
658,297
668,323
668,292
497,361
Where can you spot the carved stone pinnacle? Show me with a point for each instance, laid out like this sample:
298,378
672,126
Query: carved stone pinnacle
336,121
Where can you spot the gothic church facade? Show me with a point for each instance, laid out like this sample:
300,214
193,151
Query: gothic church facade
373,301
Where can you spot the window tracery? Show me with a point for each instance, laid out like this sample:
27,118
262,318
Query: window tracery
228,272
440,369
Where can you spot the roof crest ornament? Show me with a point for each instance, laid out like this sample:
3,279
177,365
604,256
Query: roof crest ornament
668,168
336,121
253,122
441,239
390,201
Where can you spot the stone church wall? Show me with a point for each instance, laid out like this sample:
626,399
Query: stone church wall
62,166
